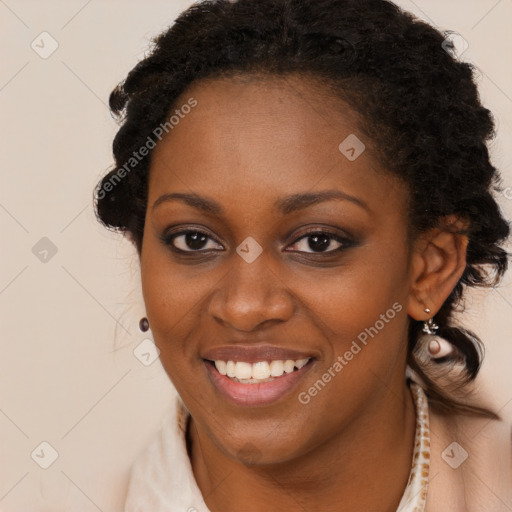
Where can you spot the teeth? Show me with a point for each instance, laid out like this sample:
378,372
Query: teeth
300,363
262,371
243,370
221,366
276,368
289,365
230,368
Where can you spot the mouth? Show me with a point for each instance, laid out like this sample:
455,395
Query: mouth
256,383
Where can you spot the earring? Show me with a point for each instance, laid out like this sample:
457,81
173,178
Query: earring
437,347
144,324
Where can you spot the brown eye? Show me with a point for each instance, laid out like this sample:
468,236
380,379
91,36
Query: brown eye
190,241
321,242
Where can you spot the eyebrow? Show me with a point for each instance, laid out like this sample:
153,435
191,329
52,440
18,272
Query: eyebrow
285,206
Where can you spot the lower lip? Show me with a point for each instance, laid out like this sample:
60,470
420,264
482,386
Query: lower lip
256,394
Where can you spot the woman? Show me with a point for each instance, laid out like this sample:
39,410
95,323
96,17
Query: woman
309,191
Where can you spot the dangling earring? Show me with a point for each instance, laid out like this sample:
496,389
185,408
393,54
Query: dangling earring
437,347
144,324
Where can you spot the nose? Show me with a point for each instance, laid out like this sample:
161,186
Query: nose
249,295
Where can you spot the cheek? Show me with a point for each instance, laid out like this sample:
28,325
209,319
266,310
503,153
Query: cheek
172,297
360,309
366,290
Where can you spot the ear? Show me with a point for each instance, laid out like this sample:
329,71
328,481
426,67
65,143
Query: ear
437,263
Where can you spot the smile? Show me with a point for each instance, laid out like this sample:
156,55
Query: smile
258,383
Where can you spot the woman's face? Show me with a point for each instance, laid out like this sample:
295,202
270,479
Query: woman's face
302,256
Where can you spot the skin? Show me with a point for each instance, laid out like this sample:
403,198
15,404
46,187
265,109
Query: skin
249,142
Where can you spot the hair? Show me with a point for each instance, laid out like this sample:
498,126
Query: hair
418,105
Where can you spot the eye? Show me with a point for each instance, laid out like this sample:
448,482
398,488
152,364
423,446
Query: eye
314,241
190,241
318,241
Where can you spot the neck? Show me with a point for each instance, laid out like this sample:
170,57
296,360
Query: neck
363,467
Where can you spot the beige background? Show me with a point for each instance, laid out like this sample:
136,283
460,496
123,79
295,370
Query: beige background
69,325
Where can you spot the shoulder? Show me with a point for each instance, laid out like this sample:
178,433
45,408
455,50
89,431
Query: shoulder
471,464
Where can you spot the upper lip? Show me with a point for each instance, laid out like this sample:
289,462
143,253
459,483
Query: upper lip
253,353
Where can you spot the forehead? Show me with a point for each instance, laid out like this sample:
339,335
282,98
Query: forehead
264,138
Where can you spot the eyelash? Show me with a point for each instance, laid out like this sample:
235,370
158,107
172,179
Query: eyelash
346,242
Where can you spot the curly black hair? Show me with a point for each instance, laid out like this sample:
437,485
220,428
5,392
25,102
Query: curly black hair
418,103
